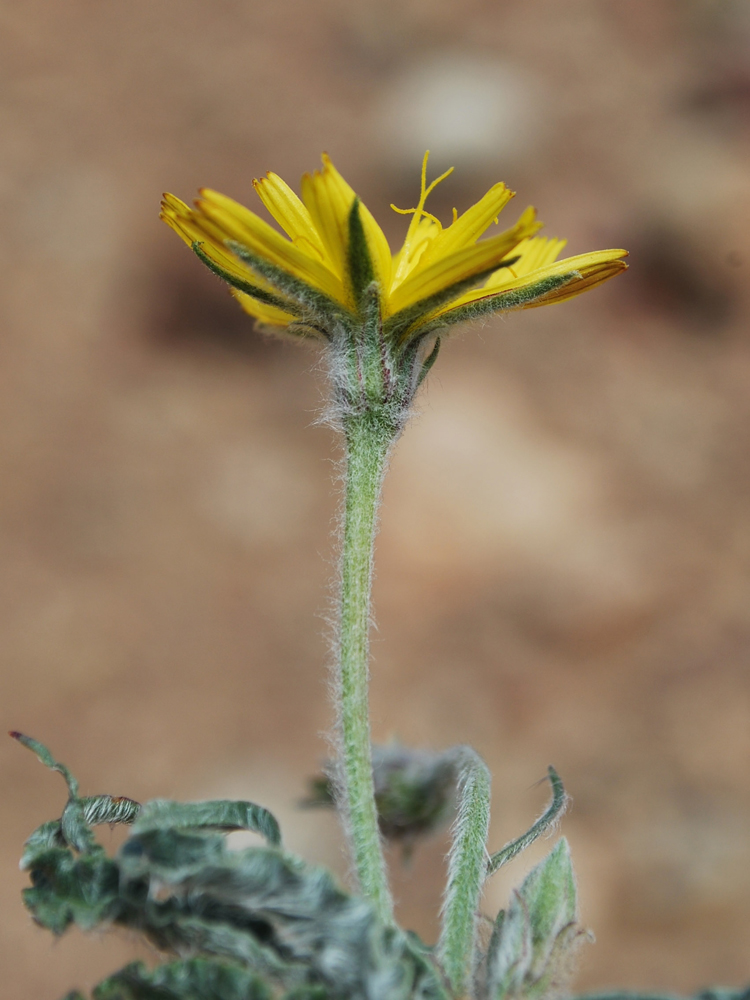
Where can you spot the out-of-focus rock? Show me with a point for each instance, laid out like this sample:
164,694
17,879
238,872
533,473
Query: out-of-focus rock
472,111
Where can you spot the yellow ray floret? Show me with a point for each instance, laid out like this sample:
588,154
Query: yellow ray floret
329,200
194,229
437,270
538,262
265,314
291,214
425,279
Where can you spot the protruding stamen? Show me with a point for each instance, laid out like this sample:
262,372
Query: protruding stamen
426,215
418,213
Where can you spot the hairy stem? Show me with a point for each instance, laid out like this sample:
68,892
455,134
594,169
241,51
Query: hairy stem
368,440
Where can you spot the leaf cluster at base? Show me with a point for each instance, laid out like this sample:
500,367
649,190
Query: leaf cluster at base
261,924
251,924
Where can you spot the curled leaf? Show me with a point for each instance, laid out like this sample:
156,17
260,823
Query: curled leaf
546,822
220,814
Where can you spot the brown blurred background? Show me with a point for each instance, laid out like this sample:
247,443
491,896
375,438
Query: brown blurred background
564,559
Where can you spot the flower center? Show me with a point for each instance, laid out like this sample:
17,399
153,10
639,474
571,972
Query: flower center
416,241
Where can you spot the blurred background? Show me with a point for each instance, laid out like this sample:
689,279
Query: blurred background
564,560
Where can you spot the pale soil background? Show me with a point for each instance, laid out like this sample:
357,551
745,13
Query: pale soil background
564,563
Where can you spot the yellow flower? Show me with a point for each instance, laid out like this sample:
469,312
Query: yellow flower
335,260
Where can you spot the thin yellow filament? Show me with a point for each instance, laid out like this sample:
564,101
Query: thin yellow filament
422,212
417,214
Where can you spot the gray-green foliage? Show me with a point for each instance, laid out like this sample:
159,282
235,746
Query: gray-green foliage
261,924
546,822
248,923
466,871
188,979
715,993
414,791
530,948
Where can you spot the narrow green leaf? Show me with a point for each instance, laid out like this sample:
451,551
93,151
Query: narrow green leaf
371,375
47,759
398,326
466,870
534,938
320,309
261,294
516,298
221,814
549,892
547,821
428,362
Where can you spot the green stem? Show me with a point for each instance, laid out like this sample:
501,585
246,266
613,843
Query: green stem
368,440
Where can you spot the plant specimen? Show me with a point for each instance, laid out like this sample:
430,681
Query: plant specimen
259,922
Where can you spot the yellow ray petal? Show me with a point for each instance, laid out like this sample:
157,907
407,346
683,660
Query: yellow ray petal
330,219
174,203
191,232
177,215
193,228
241,225
291,214
592,274
262,312
329,200
414,248
174,224
534,253
539,251
593,268
468,227
426,281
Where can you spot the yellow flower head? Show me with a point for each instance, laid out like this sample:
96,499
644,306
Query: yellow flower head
334,267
